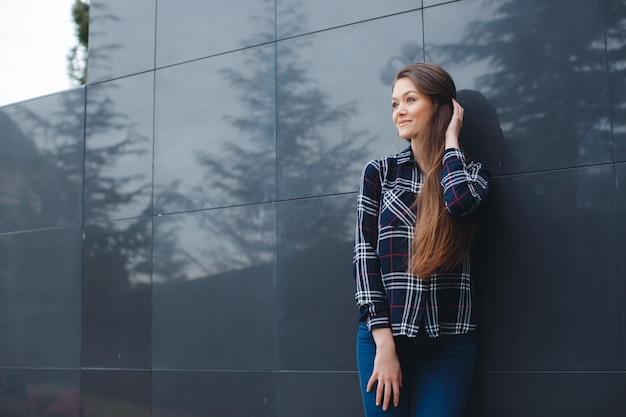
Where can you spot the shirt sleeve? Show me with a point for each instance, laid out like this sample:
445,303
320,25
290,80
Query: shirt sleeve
370,294
464,185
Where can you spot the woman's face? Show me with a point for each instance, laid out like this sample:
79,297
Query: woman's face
411,109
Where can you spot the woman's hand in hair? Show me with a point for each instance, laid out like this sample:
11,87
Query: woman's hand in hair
387,375
454,128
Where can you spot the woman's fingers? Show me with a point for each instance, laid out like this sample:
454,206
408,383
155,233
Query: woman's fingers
382,394
386,391
456,122
396,394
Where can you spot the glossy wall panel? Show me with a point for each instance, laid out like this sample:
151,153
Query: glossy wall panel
121,38
224,394
615,15
116,294
40,298
550,288
118,154
296,17
336,394
41,162
429,3
316,288
620,177
548,82
214,289
548,394
194,29
119,393
176,237
39,392
334,107
214,132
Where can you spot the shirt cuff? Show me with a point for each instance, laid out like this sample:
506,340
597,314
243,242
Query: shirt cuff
452,154
378,322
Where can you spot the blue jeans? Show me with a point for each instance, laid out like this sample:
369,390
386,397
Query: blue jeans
436,374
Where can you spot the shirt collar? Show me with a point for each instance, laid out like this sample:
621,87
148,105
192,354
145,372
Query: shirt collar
406,156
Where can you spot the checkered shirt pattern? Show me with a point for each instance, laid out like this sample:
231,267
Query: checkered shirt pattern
386,294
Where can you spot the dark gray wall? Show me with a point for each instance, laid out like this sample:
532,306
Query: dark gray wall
176,237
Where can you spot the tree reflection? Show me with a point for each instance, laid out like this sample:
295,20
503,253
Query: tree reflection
42,162
306,158
118,152
548,84
101,21
543,66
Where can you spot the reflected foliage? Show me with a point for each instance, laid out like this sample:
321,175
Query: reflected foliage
548,84
305,154
100,59
41,162
114,140
409,53
43,177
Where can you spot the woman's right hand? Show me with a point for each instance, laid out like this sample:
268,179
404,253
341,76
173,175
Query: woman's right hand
387,374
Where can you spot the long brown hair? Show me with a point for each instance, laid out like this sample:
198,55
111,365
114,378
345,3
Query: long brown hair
440,241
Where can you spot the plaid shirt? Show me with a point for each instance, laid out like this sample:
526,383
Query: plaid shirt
386,294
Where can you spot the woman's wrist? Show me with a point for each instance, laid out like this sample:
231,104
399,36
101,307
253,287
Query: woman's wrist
451,142
384,339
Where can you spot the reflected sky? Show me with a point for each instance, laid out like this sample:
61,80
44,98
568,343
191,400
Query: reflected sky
41,33
324,14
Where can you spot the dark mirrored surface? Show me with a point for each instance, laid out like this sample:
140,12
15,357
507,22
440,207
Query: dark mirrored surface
620,174
548,394
121,38
214,132
197,28
296,17
224,394
315,241
41,162
336,394
118,154
548,286
334,107
116,294
548,82
116,393
481,136
39,392
428,3
214,289
40,298
615,15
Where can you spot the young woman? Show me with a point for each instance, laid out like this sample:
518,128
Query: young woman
416,344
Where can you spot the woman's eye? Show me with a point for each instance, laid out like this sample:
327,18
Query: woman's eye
410,99
394,105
